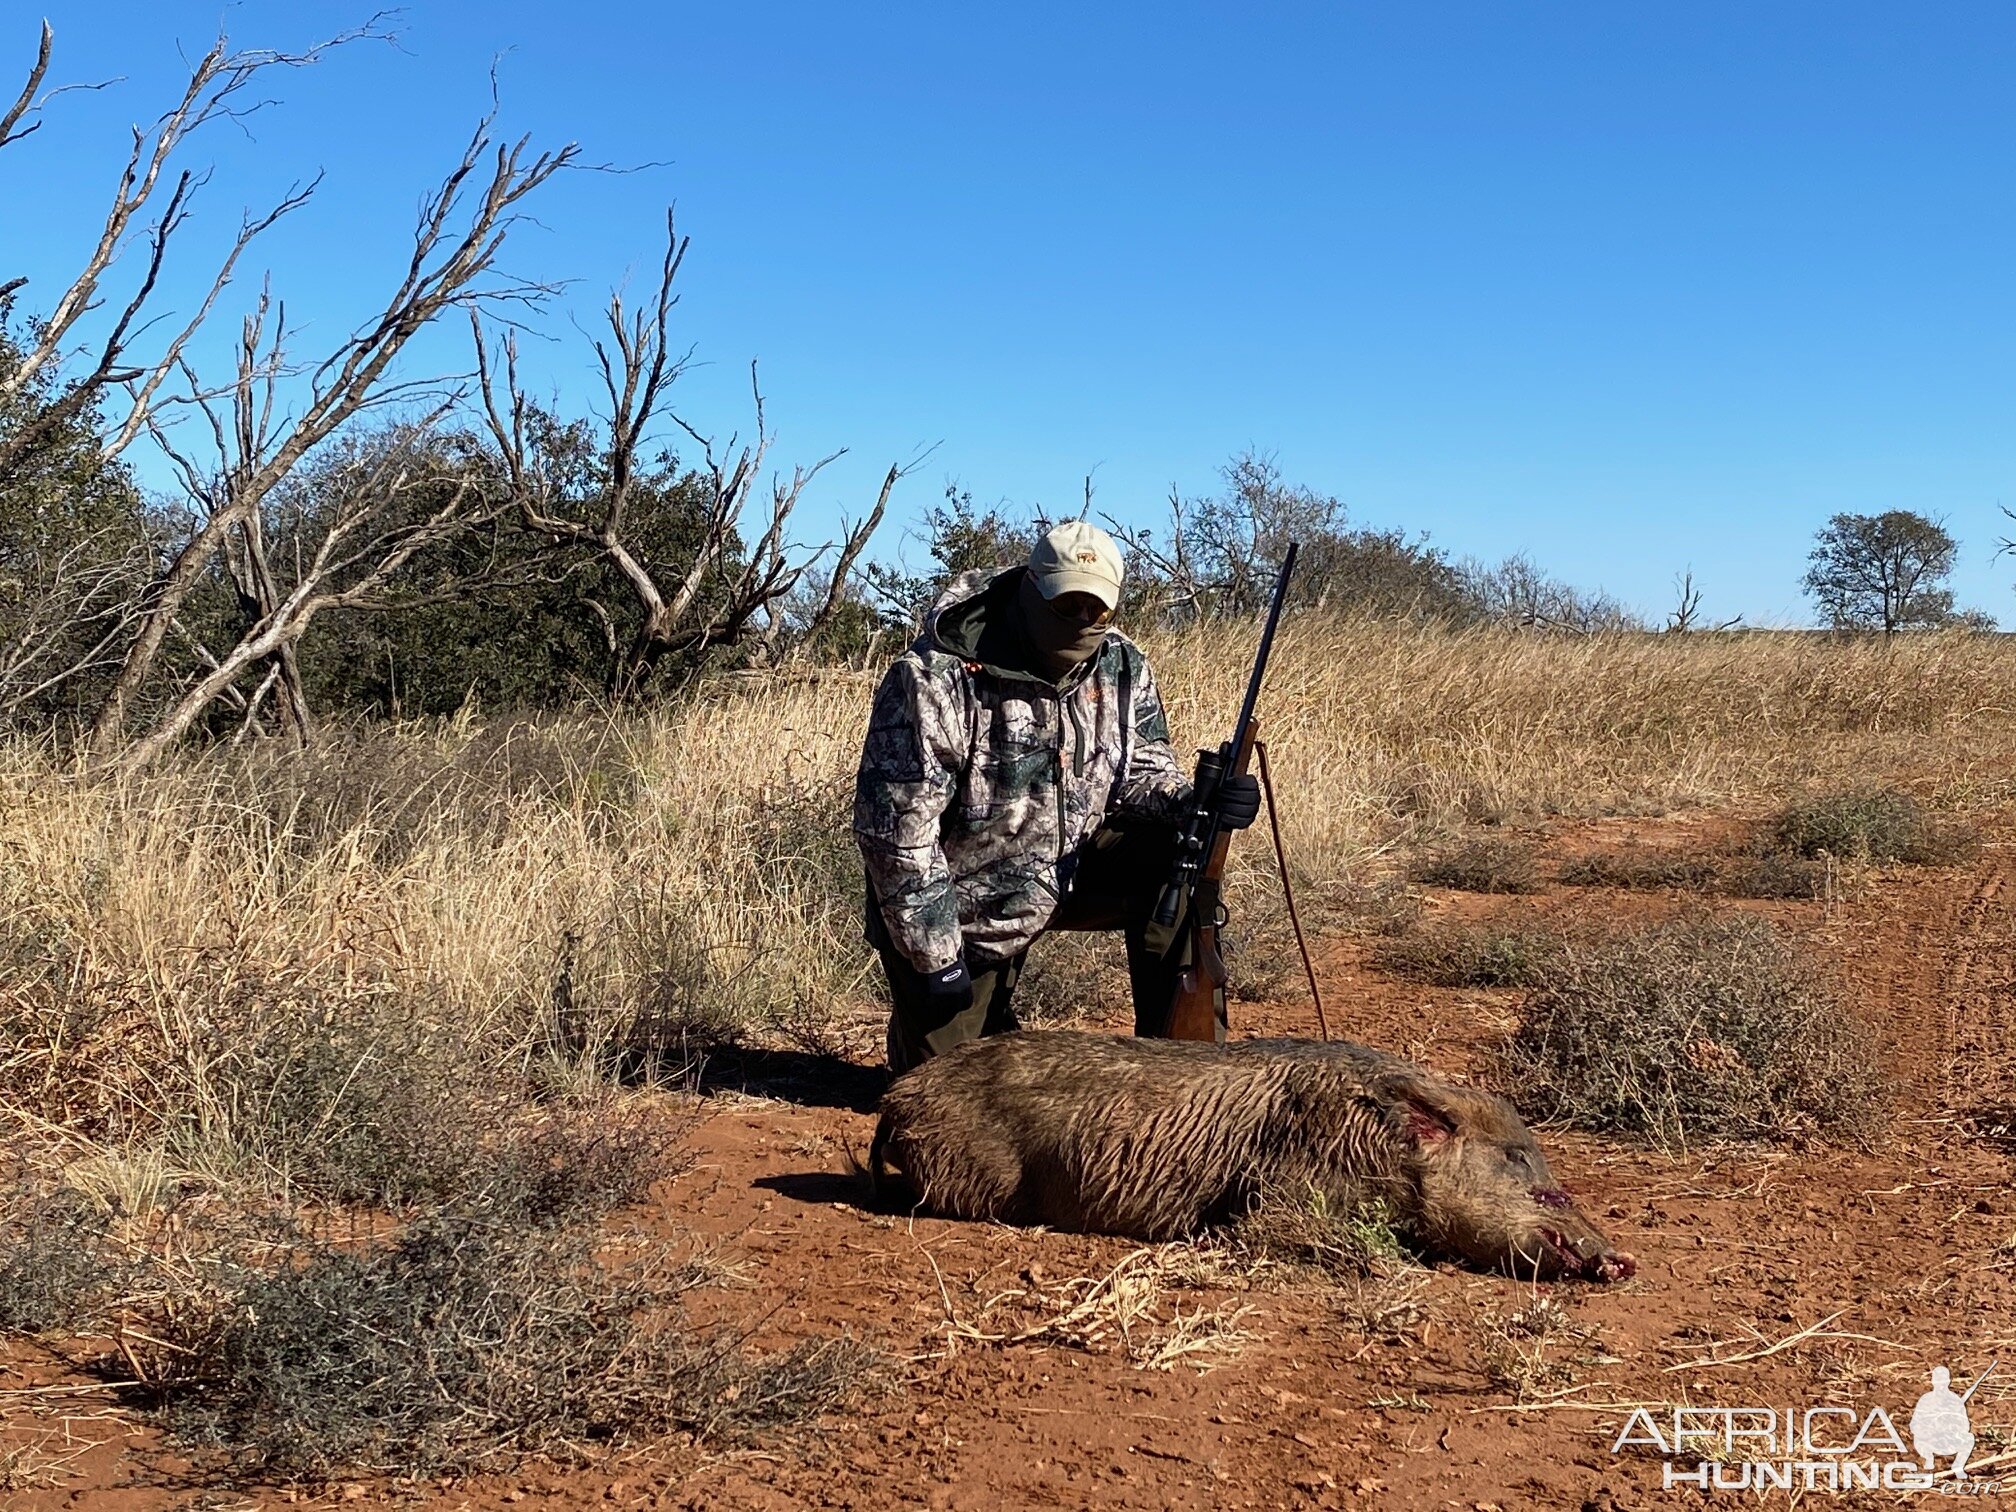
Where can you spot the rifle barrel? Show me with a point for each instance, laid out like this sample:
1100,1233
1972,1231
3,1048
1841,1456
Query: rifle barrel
1977,1383
1266,646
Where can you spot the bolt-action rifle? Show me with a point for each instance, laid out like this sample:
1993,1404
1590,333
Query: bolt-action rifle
1197,1009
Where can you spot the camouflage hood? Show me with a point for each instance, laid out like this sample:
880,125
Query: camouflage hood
980,781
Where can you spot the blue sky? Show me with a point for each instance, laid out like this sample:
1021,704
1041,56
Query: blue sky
1631,288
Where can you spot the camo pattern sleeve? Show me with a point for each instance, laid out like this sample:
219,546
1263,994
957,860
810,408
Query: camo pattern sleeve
909,766
1155,782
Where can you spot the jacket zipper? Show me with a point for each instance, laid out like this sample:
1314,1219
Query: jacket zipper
1063,718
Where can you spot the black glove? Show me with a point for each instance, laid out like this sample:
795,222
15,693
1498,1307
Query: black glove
949,989
1237,801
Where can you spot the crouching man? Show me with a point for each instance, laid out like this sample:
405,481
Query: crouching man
1017,778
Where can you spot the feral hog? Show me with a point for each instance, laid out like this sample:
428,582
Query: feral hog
1159,1138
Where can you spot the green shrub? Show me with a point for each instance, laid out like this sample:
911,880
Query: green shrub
1303,1230
1641,871
1872,824
1702,1028
54,1264
1491,864
471,1340
1473,955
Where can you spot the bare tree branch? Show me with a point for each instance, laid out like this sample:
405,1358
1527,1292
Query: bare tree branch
11,120
362,541
214,91
675,615
64,612
461,229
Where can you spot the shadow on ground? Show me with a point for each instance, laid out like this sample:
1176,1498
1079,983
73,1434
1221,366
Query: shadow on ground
831,1189
801,1077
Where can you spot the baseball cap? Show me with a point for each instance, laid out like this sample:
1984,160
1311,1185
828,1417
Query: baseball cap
1075,557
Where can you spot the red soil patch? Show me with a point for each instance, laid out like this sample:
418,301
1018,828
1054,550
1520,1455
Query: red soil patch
1893,1259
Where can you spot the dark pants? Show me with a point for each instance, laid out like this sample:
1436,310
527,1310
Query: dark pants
1118,881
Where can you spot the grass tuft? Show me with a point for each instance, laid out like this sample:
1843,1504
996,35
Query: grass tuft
1303,1231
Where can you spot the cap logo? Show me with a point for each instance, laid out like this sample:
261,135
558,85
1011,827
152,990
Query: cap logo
1089,556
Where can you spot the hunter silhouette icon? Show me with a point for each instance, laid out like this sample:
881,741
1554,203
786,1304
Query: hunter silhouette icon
1939,1423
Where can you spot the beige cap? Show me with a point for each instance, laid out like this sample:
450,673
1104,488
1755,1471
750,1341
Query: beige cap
1075,557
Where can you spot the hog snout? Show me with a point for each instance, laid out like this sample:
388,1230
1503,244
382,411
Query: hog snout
1578,1249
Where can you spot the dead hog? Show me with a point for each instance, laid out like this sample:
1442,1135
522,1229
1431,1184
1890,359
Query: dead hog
1158,1138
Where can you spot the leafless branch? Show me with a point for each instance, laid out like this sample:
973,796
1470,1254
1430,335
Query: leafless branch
64,612
11,129
215,90
714,599
461,229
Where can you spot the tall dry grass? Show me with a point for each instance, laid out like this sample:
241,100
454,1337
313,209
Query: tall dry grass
552,901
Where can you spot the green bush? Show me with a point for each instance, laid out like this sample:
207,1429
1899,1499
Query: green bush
1872,824
471,1339
1492,864
1473,955
1701,1028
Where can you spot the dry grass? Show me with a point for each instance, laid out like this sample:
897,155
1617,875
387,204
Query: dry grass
1523,1349
381,973
588,887
543,904
1131,1309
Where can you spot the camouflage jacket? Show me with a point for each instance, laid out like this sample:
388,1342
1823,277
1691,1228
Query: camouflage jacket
980,783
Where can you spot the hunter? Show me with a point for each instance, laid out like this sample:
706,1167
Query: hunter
1017,778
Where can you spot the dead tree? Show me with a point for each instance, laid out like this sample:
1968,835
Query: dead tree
216,90
270,413
1685,615
363,534
461,227
675,616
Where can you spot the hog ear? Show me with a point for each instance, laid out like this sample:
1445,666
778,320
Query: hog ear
1426,1125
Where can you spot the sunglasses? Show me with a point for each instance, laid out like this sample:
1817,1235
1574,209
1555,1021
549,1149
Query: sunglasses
1081,609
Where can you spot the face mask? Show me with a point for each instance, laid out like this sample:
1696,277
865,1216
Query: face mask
1058,641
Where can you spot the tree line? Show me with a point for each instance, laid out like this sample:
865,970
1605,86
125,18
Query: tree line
343,539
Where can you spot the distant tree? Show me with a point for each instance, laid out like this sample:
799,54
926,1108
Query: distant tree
738,569
1685,616
1519,593
1217,556
1882,572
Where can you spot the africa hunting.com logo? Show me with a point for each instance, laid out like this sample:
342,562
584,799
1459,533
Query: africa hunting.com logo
1817,1448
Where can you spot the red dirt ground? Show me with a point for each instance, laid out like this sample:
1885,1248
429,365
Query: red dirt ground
1874,1266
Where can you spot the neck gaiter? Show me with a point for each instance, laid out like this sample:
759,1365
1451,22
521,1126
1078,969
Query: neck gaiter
1057,641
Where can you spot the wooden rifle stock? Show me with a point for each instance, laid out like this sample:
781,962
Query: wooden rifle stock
1195,1010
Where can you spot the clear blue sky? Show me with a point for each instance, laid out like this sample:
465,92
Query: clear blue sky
1629,287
